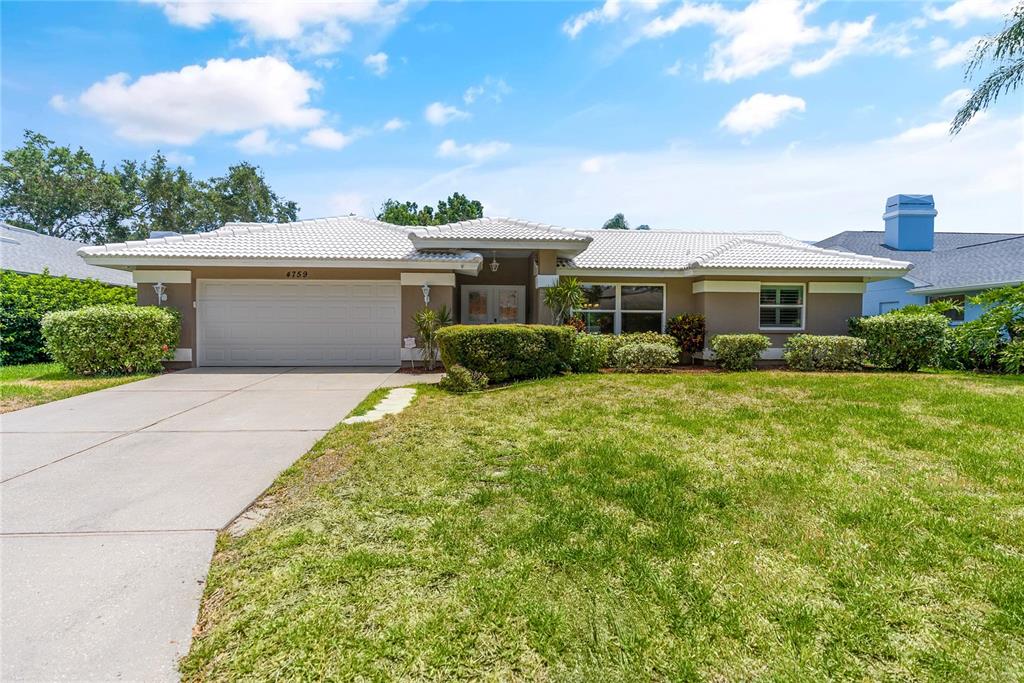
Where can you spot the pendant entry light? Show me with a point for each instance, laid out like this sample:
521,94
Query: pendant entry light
494,263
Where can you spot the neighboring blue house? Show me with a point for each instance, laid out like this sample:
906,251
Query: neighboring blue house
947,265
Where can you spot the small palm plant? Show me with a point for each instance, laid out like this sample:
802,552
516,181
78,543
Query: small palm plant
428,322
563,298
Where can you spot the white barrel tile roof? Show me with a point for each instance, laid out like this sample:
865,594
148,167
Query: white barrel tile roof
499,229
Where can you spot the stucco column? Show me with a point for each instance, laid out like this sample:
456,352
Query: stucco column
547,263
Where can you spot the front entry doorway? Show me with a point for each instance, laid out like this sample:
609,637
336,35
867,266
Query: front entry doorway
486,304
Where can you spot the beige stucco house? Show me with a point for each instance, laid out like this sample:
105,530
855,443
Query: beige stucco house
342,291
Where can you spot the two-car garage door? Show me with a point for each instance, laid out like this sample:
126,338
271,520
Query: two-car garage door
272,322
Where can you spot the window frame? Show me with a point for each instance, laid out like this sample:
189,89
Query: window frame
617,313
802,306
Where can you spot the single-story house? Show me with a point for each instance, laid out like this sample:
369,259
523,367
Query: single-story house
342,291
29,253
947,265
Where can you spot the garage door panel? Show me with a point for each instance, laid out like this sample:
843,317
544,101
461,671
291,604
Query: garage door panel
299,323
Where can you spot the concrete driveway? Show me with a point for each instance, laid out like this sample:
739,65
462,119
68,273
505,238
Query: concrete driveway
110,503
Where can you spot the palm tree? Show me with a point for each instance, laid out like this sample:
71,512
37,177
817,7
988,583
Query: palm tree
1006,49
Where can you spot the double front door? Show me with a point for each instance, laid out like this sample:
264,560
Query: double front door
484,304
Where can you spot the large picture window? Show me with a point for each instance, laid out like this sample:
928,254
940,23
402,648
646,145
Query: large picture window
613,309
782,307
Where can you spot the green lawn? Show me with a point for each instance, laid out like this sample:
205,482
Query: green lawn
22,386
713,526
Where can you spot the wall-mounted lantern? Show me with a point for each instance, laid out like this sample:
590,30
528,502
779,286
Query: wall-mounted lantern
161,295
426,293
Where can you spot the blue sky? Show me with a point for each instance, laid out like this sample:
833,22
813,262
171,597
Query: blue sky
777,114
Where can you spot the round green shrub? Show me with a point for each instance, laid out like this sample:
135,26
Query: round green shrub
823,352
25,299
508,352
904,341
459,380
110,340
739,351
617,341
589,353
645,357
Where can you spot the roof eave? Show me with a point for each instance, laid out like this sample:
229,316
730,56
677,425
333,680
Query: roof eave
866,273
472,264
971,287
570,248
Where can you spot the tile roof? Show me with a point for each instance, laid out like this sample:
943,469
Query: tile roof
27,251
958,260
499,229
344,238
681,249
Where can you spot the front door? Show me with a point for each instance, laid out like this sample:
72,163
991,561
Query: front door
485,304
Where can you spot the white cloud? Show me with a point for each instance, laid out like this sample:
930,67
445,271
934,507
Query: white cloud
377,63
956,99
961,12
258,142
609,11
850,36
763,35
674,69
314,28
440,114
180,158
761,112
492,88
955,54
473,152
327,138
60,103
595,164
343,203
394,124
222,96
929,131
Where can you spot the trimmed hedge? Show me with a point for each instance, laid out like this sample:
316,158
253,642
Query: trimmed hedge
25,299
108,340
508,352
459,380
903,341
589,352
822,352
739,351
617,341
645,357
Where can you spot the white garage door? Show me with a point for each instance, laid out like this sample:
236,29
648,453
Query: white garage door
269,322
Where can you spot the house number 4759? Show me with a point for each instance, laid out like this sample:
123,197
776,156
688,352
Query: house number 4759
297,274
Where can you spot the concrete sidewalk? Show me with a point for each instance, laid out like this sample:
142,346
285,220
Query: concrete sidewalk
110,503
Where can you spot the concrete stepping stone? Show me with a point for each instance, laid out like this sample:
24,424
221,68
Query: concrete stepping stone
395,402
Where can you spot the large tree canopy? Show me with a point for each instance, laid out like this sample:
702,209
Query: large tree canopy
63,193
456,208
1006,51
616,222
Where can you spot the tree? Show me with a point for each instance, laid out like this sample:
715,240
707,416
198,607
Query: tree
616,222
1006,50
58,192
643,226
53,190
452,210
564,297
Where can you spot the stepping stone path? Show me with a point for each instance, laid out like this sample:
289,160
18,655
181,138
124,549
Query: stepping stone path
395,402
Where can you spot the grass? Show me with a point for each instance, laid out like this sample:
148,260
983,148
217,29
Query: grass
370,402
715,526
22,386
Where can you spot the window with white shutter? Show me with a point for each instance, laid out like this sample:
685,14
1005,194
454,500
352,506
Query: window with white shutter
782,307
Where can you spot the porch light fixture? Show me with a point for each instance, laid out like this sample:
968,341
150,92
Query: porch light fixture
494,263
160,290
426,293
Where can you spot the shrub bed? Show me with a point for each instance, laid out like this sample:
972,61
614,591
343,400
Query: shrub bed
589,353
688,330
109,340
25,299
508,352
821,352
739,351
645,357
903,341
459,380
617,341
